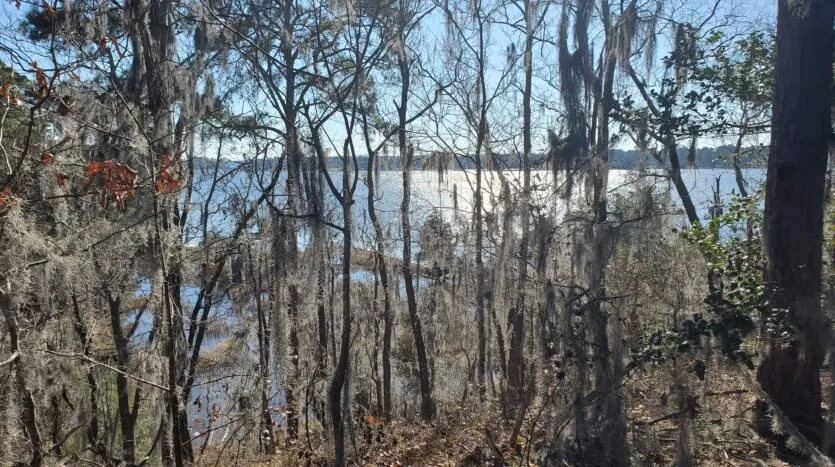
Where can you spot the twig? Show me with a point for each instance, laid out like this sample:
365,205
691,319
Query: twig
66,436
96,362
496,452
10,359
725,393
661,419
674,414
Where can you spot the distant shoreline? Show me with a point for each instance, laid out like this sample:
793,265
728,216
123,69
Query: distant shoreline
619,159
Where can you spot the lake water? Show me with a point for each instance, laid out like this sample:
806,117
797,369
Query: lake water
451,197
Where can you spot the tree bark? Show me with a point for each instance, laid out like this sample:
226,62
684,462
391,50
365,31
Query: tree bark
28,413
340,373
263,354
83,335
516,357
427,408
793,223
610,412
740,180
478,218
295,375
384,282
126,422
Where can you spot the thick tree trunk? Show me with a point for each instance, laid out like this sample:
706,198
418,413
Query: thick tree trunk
322,259
793,223
294,202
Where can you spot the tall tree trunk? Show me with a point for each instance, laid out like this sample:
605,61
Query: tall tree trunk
609,412
427,408
340,373
295,375
28,413
516,362
384,282
159,47
793,222
322,301
126,420
263,353
478,218
294,200
84,336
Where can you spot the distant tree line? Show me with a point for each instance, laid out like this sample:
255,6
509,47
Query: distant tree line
625,159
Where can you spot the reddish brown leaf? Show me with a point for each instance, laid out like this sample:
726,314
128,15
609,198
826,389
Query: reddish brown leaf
5,196
118,179
49,10
168,181
115,43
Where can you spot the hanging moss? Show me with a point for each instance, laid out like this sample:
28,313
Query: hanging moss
565,156
627,27
691,154
685,52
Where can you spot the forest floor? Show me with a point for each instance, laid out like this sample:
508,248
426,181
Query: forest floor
717,416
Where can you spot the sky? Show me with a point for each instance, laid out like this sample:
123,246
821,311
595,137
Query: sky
509,102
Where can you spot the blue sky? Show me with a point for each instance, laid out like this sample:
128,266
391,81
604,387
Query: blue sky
761,12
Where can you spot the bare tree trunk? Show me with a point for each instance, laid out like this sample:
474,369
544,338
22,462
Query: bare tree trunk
681,188
427,408
294,200
793,222
610,411
685,441
516,358
263,354
384,282
375,353
295,375
321,317
179,437
28,416
83,336
322,263
478,221
340,373
740,180
126,420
